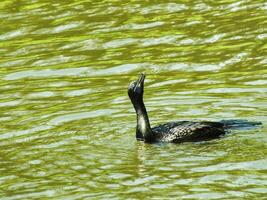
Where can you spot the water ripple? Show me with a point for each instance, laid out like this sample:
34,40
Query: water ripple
46,73
68,126
252,165
81,115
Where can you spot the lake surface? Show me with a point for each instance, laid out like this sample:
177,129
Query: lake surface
68,128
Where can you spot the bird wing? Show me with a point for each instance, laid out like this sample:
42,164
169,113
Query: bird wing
188,131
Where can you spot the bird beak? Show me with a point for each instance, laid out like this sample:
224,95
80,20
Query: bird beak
141,79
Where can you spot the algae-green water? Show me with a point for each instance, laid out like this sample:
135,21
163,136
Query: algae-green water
68,128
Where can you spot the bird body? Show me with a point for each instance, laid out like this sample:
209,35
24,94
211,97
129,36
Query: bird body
183,131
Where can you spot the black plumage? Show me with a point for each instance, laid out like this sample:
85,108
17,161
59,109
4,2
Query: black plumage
181,131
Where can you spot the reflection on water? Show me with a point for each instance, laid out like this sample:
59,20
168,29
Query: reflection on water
68,128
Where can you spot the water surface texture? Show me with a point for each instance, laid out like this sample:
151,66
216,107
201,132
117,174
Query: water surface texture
68,128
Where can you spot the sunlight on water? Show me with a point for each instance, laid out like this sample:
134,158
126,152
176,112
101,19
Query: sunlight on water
68,127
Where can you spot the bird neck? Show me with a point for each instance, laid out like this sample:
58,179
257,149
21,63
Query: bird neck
143,129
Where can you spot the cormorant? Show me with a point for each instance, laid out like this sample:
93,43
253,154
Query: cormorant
176,132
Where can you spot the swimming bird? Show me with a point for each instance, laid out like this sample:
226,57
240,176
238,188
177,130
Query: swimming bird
178,131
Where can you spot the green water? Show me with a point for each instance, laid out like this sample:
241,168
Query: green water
68,128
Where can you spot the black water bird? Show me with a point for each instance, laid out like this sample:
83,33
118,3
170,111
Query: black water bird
176,132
